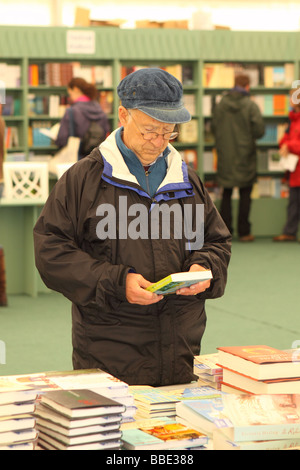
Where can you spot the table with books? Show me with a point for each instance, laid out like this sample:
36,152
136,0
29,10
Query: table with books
243,398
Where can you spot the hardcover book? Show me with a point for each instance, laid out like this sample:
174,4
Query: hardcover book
165,436
260,362
80,403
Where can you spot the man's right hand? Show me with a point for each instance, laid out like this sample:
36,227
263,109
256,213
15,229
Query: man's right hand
136,292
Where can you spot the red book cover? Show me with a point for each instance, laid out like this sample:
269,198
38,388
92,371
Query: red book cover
259,354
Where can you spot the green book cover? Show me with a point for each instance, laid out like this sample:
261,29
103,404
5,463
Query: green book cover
173,282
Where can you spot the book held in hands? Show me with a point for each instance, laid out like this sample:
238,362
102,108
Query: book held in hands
175,281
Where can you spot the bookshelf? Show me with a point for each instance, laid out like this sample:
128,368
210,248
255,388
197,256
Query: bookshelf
31,48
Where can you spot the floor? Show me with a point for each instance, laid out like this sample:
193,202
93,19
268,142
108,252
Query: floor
261,305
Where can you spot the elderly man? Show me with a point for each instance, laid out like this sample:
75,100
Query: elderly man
127,215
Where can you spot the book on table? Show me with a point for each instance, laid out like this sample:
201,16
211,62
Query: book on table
259,387
244,417
103,436
80,403
49,443
261,417
156,401
17,423
221,442
260,362
52,417
170,284
167,435
203,415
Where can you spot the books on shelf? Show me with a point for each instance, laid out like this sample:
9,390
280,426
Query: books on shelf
60,73
10,74
273,134
175,281
190,157
278,75
260,362
52,105
188,132
184,73
167,434
221,75
35,137
272,105
12,106
11,137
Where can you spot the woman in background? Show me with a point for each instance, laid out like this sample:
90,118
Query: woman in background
83,111
290,143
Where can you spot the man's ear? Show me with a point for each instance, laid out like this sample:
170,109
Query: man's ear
123,115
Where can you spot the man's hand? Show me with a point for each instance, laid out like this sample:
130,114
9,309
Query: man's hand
136,292
195,288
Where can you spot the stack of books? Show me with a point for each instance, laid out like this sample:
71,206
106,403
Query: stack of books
245,422
259,369
160,402
259,422
17,422
100,382
162,434
208,371
205,415
78,420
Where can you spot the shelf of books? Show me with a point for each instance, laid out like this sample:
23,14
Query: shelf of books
36,64
269,87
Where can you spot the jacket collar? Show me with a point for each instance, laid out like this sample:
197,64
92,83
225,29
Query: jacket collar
117,172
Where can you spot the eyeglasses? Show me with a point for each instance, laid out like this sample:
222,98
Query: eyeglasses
153,135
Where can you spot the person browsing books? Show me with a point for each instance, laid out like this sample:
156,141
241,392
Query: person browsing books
84,111
121,219
290,144
237,122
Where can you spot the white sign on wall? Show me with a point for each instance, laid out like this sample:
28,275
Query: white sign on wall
81,42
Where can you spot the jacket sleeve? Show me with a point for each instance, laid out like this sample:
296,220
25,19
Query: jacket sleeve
257,121
216,250
62,264
63,133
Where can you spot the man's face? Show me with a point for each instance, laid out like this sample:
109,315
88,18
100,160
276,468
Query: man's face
136,123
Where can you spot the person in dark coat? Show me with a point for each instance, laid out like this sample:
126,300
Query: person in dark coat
237,122
124,217
85,109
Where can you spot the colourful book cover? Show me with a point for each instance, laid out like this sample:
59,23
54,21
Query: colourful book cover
173,282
